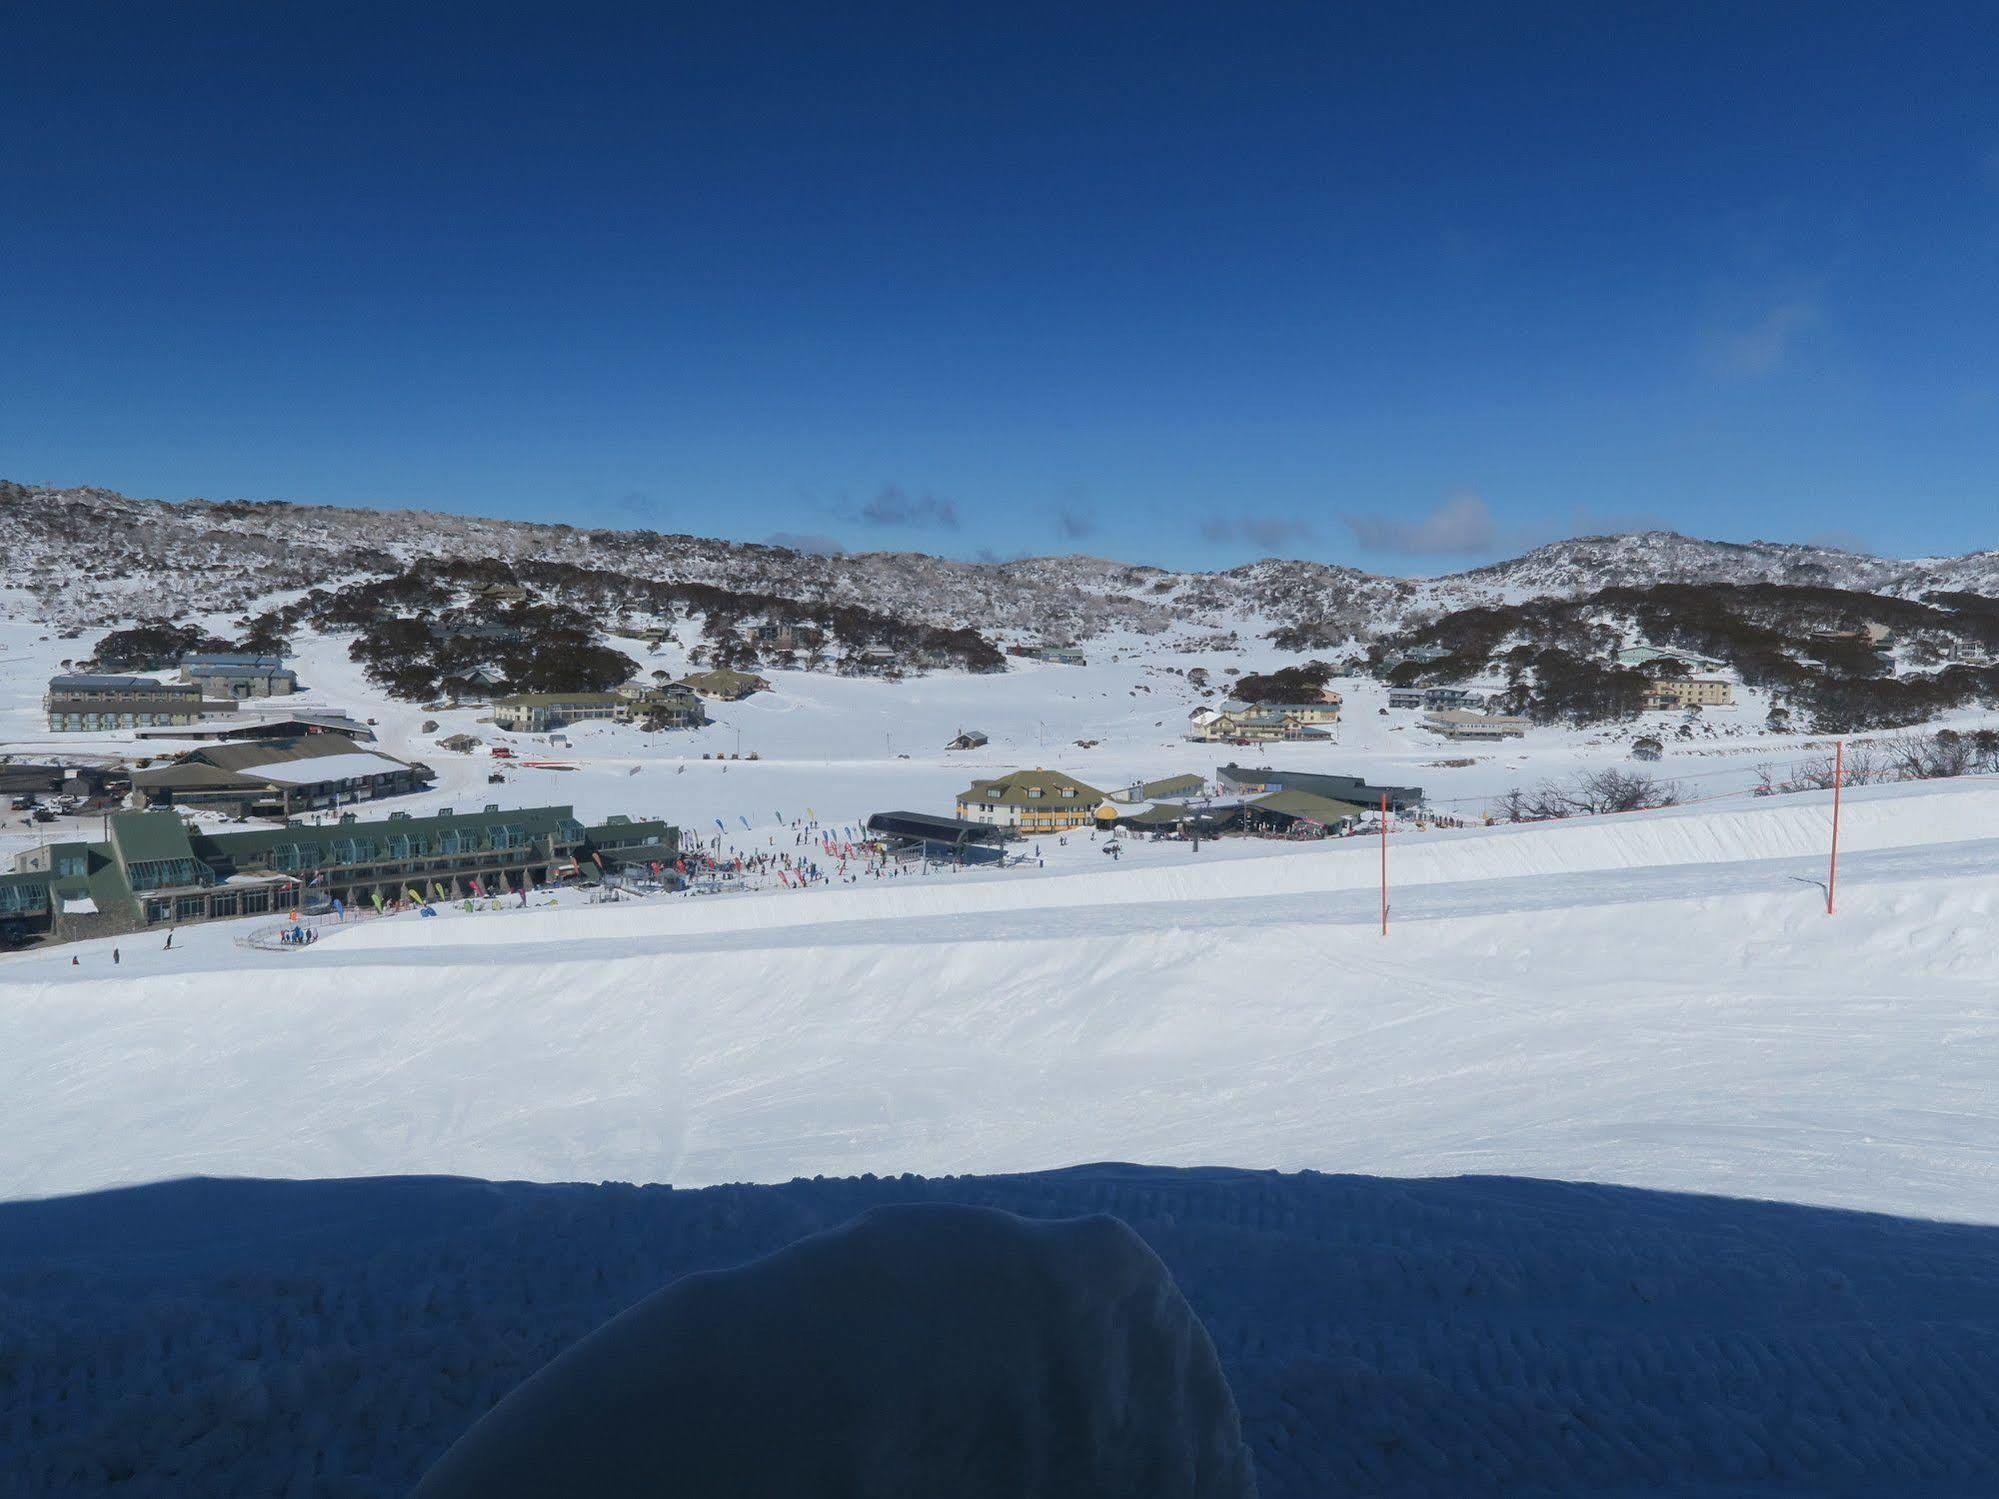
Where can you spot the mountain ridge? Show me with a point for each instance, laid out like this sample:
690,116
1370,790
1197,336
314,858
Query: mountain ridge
88,555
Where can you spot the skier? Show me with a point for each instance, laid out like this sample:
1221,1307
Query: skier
170,942
114,957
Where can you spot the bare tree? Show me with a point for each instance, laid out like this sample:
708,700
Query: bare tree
1589,792
1915,756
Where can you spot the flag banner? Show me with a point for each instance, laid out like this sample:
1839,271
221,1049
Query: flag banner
746,823
721,824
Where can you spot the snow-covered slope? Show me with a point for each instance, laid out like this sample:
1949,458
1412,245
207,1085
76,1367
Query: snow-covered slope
91,557
1659,1000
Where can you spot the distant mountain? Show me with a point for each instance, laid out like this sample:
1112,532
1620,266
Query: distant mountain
91,557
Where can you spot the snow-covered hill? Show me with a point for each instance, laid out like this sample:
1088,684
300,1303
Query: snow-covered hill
89,557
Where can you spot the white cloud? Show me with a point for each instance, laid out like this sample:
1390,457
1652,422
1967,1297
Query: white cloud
1765,346
1462,524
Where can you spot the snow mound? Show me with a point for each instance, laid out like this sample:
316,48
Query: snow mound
919,1349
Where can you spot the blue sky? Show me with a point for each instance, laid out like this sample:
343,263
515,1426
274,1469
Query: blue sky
1403,286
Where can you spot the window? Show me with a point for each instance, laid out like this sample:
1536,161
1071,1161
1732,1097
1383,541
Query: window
161,874
72,866
16,898
1034,792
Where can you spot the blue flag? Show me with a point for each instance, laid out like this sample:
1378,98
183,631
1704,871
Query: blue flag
746,823
721,824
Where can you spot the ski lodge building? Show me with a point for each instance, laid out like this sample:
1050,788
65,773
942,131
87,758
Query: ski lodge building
278,777
152,870
1031,801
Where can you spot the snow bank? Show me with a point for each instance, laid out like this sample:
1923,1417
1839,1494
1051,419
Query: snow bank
1474,1337
920,1349
1792,826
1692,1026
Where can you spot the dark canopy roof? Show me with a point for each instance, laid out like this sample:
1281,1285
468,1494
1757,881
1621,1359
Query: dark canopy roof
933,829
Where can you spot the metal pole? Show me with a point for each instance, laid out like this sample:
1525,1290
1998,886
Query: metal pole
1384,863
1838,776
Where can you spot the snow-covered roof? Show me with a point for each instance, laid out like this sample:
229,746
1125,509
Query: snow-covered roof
323,768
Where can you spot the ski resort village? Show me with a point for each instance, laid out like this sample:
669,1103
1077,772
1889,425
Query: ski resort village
1043,752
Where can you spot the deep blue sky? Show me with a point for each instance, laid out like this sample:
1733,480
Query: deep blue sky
1403,285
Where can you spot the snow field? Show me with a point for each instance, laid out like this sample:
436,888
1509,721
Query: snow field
1772,828
1690,1025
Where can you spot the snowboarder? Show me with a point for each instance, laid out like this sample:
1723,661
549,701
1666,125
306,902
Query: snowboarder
114,957
170,942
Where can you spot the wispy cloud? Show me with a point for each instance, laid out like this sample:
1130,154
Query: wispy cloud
1073,522
1266,531
1766,345
805,541
1462,524
895,506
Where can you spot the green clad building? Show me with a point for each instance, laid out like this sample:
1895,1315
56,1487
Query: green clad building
153,870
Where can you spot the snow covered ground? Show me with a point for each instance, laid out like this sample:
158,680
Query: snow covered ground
839,748
1657,1000
1483,1336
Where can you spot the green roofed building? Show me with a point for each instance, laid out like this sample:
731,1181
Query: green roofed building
153,870
1301,813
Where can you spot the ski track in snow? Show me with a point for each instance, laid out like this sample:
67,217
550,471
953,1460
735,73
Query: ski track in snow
1658,1001
1391,1338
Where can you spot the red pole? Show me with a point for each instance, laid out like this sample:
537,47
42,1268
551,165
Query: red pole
1838,776
1384,863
